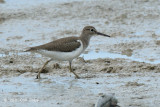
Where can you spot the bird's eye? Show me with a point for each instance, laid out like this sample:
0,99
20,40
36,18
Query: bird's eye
92,30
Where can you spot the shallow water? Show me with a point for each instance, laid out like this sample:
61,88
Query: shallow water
17,4
51,90
95,55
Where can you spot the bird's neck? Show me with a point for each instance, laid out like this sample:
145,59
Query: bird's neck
85,39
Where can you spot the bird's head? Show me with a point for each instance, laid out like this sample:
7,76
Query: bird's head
90,31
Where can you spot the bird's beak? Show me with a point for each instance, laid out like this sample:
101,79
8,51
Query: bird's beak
98,33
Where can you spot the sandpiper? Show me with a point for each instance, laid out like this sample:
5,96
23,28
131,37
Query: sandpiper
66,49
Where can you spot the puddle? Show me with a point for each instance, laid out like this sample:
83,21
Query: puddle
21,3
17,4
95,55
30,86
139,33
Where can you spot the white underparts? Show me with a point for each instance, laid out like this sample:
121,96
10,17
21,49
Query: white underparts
63,56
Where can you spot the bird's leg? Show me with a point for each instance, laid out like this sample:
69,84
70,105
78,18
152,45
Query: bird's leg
70,69
38,76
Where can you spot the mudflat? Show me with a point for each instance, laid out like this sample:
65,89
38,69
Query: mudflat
126,64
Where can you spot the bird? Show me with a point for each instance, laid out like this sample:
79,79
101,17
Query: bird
66,49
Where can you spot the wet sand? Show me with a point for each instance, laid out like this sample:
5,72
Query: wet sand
126,64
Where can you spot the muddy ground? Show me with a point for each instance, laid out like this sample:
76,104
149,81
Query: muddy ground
126,64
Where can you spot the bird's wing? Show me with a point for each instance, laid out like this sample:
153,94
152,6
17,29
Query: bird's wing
62,45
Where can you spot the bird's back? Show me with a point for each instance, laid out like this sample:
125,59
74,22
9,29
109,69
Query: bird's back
61,45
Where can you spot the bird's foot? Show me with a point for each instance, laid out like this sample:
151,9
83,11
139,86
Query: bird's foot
38,77
77,77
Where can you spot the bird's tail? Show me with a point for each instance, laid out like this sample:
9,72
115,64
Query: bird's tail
27,49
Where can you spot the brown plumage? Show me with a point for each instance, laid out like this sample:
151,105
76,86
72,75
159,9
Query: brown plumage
61,45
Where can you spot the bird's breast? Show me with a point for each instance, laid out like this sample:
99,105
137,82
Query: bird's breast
63,56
